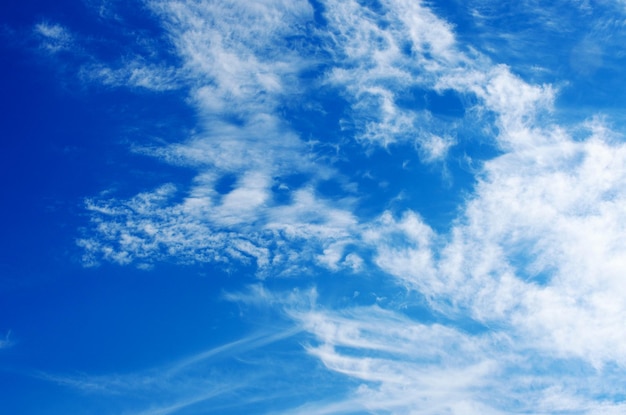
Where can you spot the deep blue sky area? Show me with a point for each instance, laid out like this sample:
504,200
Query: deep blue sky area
312,207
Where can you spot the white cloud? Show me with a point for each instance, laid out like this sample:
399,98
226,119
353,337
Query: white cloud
235,59
242,225
6,342
54,37
136,73
434,147
538,250
377,56
400,365
236,52
546,222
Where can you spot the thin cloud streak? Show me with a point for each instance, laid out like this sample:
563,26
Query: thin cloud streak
165,376
179,405
239,346
198,380
6,342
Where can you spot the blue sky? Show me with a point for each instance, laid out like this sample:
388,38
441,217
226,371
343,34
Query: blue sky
313,207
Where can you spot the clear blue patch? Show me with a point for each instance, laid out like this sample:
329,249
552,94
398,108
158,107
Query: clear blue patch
332,189
226,184
321,117
447,103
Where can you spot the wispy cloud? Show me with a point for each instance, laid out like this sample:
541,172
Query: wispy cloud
378,55
401,365
134,74
241,68
6,342
196,380
54,37
247,74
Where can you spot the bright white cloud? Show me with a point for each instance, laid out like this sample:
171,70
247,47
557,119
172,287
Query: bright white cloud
434,147
408,367
405,367
539,247
378,55
236,52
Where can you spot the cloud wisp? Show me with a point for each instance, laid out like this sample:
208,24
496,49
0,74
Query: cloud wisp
243,201
204,380
399,364
54,37
6,342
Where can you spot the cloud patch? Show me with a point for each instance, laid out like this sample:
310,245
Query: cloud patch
6,342
54,37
